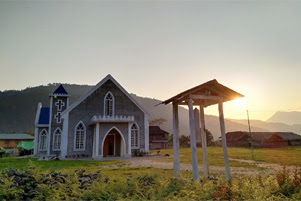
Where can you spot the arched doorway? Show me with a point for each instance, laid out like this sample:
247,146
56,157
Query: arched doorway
113,143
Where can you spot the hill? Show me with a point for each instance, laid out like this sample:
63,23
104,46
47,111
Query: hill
18,109
289,118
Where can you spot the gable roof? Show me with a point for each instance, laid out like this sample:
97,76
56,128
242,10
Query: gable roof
17,136
60,91
212,87
156,130
108,77
44,116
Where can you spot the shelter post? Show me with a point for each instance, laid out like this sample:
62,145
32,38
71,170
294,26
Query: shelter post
176,147
195,170
204,142
224,142
197,125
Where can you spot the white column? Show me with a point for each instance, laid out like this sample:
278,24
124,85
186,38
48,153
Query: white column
129,140
204,142
49,130
224,142
36,141
194,160
97,139
176,146
64,139
146,133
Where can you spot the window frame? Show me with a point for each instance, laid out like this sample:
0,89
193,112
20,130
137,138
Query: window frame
55,134
112,102
138,134
44,148
84,137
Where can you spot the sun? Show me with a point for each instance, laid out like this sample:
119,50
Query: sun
240,102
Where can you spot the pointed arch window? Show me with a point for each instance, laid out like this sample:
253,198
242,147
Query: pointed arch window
80,137
43,140
134,136
57,139
109,104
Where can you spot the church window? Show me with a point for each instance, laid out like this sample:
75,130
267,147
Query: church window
134,135
43,140
57,139
109,104
80,136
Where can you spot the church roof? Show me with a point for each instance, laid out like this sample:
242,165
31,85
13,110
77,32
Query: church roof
108,77
44,116
60,91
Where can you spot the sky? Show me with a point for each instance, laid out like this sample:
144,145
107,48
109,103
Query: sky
158,49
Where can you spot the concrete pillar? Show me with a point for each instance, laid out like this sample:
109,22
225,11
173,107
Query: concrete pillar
224,142
176,146
204,142
195,170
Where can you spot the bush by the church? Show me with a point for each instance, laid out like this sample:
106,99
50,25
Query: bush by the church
30,184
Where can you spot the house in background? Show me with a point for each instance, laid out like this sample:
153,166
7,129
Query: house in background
11,141
106,121
263,139
157,138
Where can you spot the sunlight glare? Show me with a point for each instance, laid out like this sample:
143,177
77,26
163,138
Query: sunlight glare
240,102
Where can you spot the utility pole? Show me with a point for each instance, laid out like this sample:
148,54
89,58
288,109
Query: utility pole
250,133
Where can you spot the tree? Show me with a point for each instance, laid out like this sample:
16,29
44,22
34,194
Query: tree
157,122
184,141
209,138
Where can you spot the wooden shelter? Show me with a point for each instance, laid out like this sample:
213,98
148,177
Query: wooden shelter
204,95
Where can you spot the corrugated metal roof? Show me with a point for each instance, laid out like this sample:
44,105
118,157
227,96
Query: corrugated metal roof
212,88
17,136
44,116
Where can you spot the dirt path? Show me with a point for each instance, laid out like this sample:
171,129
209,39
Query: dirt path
262,168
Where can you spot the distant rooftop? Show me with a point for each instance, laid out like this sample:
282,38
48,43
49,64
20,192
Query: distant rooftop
16,136
156,130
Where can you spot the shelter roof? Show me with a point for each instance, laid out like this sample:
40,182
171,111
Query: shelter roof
211,89
15,136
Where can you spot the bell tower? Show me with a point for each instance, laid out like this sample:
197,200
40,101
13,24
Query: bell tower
59,101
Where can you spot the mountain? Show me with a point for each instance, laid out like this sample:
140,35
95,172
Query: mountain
273,127
18,110
289,118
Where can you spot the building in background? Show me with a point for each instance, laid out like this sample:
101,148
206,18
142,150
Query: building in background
158,138
263,139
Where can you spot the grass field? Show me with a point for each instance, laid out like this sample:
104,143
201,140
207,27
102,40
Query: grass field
287,155
118,182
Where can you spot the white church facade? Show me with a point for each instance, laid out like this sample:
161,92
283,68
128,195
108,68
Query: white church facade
106,121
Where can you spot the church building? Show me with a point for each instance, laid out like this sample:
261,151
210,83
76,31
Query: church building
106,121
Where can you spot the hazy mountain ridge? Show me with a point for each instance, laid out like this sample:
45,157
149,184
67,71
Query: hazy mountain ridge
290,118
18,110
273,127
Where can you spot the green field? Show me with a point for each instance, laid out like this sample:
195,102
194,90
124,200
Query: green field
71,179
287,156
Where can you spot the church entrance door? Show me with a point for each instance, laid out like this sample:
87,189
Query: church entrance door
109,145
113,144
